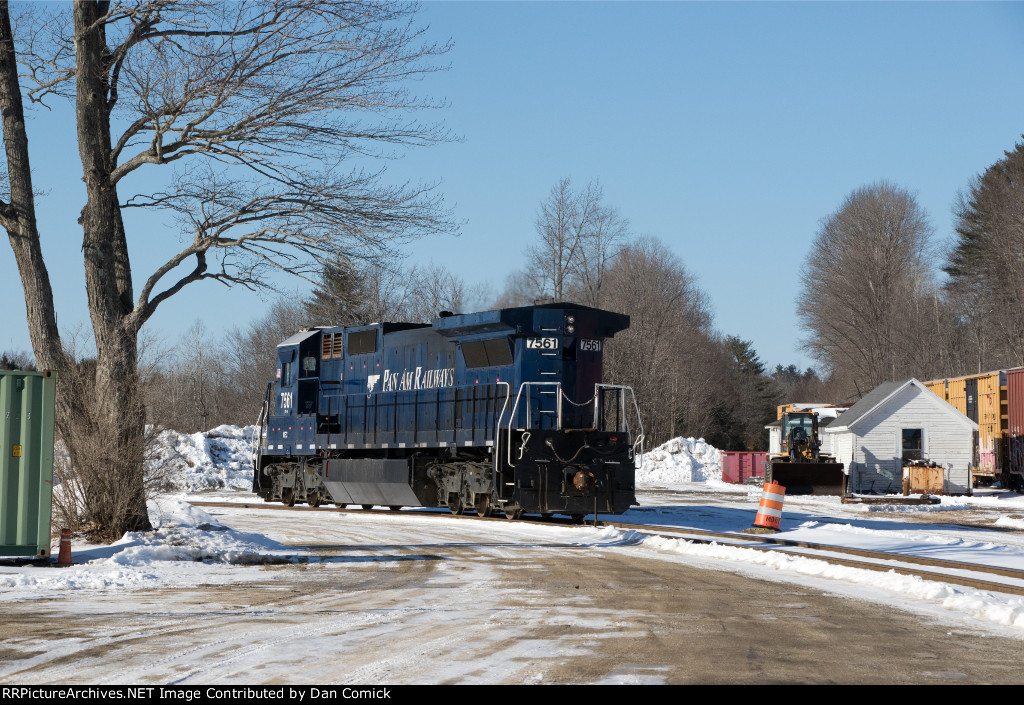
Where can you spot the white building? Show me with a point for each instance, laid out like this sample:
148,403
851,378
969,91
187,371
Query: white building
902,421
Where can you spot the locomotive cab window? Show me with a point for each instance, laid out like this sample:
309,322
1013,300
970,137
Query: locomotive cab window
474,355
287,374
498,351
487,353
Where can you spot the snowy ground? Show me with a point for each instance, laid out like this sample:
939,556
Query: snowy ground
679,486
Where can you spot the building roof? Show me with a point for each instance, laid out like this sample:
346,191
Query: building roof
881,394
870,400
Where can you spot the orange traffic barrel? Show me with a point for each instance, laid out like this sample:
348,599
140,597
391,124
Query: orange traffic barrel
64,557
769,512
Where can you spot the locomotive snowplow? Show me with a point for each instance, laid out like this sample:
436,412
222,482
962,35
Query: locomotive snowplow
800,467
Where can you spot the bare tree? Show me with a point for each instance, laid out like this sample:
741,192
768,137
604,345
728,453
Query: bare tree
16,360
389,291
668,354
868,288
520,290
267,112
200,376
432,289
578,236
601,243
250,358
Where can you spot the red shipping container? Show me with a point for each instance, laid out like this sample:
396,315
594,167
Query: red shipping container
739,465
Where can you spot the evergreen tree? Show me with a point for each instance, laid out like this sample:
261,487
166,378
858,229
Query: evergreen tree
340,296
986,263
754,395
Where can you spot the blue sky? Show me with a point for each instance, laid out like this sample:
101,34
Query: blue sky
728,130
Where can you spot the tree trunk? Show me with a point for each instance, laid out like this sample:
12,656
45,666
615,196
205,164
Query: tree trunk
118,415
19,217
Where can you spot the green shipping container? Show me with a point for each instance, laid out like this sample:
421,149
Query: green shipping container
26,461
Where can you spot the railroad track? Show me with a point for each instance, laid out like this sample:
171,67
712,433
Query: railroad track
964,574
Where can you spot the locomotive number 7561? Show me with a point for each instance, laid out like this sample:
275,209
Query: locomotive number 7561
542,343
286,400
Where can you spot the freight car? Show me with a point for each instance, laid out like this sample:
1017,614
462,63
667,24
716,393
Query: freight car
502,410
984,399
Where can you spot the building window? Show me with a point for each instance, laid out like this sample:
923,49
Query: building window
913,444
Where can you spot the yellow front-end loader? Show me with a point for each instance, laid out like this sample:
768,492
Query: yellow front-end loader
800,467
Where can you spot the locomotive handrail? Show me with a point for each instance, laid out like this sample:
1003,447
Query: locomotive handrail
515,407
497,425
258,429
638,442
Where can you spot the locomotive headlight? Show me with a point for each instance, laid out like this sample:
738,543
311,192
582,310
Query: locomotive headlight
570,319
570,329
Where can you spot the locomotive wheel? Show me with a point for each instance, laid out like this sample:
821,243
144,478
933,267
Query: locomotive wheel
483,505
313,499
394,507
513,513
288,496
340,505
455,505
577,518
366,506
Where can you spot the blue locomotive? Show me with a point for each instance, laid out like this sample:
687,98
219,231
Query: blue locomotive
502,410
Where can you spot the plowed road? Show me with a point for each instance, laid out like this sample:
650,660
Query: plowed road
396,600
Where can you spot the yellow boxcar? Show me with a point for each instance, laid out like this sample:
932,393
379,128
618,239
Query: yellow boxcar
982,399
938,387
992,422
956,393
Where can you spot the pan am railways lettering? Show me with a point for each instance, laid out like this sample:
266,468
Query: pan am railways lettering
417,379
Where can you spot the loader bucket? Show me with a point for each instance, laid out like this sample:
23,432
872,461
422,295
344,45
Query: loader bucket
808,478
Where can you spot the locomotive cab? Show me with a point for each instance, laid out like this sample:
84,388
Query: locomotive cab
293,414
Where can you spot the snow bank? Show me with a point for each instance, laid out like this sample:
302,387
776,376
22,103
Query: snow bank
1012,522
218,459
180,551
680,460
996,609
186,533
